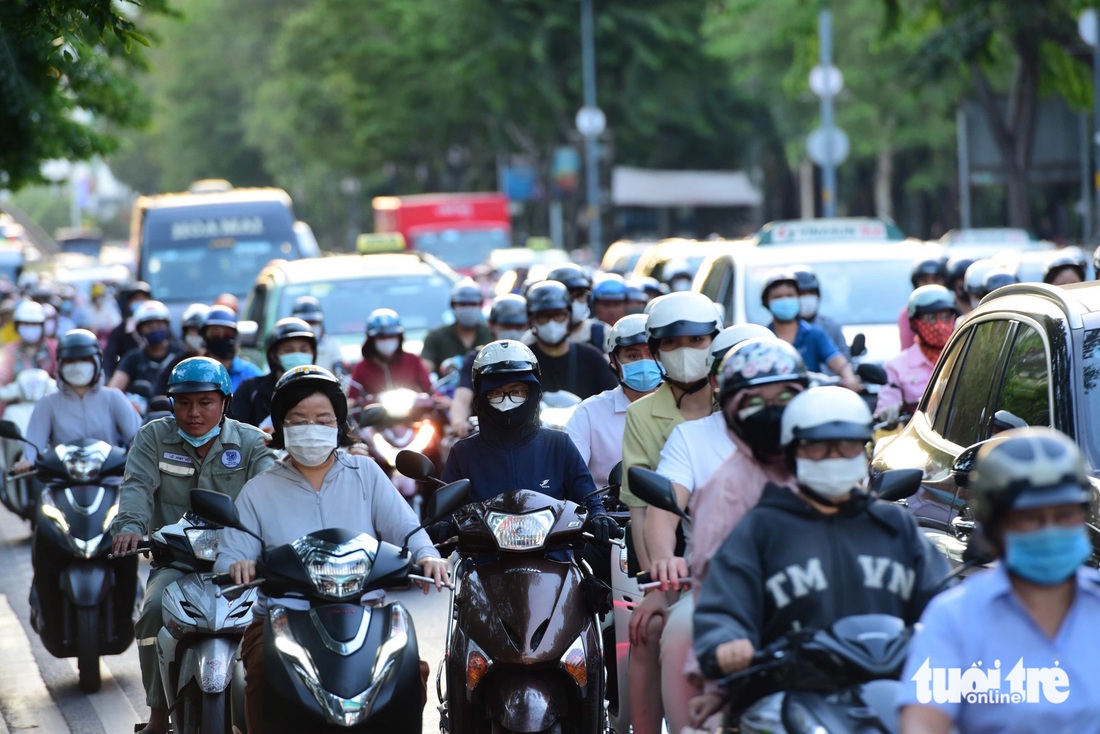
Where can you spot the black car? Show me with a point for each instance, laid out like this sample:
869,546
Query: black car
1029,354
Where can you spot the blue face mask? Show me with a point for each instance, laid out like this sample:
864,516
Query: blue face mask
1048,556
785,309
643,375
294,359
197,441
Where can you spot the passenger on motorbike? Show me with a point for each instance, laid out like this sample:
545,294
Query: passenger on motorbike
151,322
309,309
780,296
679,331
997,278
609,298
507,320
191,322
32,350
123,338
718,467
565,364
219,334
597,424
467,332
289,344
955,281
197,447
678,276
925,271
636,297
932,315
809,303
385,364
1026,627
803,559
316,486
82,407
1064,268
974,279
583,327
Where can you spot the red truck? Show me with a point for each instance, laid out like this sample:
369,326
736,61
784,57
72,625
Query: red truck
460,229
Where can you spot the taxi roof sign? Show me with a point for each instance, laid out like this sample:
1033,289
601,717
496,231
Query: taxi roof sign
987,235
375,242
805,231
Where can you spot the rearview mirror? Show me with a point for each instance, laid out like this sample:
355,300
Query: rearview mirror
654,489
445,500
872,374
859,345
896,484
372,415
415,466
216,507
615,478
144,388
8,429
248,334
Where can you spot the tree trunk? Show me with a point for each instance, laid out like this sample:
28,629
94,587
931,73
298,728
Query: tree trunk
884,177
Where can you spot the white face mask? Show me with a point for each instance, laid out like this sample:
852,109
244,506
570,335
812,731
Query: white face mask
832,478
30,333
552,332
685,364
310,445
580,311
194,342
516,334
385,347
78,374
807,306
508,403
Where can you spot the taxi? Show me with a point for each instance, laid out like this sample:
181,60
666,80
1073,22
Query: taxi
660,260
1028,355
839,230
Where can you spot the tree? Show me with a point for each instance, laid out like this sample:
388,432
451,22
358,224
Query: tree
65,79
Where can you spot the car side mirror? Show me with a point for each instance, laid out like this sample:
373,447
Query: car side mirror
872,374
415,465
896,484
248,334
654,489
964,462
859,346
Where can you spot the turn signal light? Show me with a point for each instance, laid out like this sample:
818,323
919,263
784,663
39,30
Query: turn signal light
575,663
477,665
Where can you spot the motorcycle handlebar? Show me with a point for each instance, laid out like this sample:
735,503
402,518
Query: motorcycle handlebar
610,541
236,588
144,546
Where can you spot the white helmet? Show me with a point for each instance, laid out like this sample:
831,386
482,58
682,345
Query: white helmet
975,275
628,331
825,414
730,337
505,356
682,314
29,312
151,311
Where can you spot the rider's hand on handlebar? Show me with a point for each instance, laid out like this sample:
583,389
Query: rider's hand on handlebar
125,543
888,414
437,570
21,466
242,572
734,655
604,528
669,571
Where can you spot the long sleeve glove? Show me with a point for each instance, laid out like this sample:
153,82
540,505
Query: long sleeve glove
603,528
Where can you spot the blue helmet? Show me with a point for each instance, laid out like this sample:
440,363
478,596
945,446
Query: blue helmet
199,374
610,288
384,322
220,316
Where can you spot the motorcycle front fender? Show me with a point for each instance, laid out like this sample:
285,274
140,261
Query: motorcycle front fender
526,702
209,662
86,584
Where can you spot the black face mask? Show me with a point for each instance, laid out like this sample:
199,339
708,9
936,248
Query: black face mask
221,348
760,430
510,420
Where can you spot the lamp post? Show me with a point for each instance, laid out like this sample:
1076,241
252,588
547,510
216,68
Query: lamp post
590,123
1088,25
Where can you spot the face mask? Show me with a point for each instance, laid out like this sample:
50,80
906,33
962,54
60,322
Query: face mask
552,332
156,337
679,284
221,348
934,335
832,478
78,374
385,347
310,445
504,419
515,334
467,316
580,311
807,306
643,375
784,309
759,429
30,332
509,403
1048,556
197,441
194,342
685,364
295,359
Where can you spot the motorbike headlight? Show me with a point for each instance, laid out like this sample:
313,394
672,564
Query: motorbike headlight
337,571
112,512
50,510
204,542
398,403
520,532
83,467
799,720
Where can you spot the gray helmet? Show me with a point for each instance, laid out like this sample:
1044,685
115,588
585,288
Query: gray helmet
929,299
509,310
997,278
194,316
466,292
806,278
1025,468
548,295
571,276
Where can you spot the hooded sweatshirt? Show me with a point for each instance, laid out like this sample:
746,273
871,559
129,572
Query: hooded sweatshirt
787,566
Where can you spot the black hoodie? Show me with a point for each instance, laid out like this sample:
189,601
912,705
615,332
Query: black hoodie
787,566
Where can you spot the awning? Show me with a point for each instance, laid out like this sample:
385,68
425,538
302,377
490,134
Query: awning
652,188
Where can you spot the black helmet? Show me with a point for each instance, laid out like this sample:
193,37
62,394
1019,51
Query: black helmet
296,385
509,310
773,279
997,278
466,291
1023,468
80,344
935,266
956,271
548,295
759,362
571,276
806,278
1060,262
288,328
308,308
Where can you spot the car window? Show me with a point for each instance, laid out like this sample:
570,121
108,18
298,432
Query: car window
944,378
716,287
968,405
257,305
1025,391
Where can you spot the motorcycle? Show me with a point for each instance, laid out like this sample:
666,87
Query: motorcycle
402,419
19,494
337,665
202,628
82,601
525,651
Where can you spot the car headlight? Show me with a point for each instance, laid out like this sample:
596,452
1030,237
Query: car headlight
520,532
204,542
337,571
398,403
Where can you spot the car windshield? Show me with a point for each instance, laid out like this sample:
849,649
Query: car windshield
200,270
462,248
420,300
852,291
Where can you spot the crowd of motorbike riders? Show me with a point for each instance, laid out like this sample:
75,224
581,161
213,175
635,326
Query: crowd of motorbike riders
760,431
